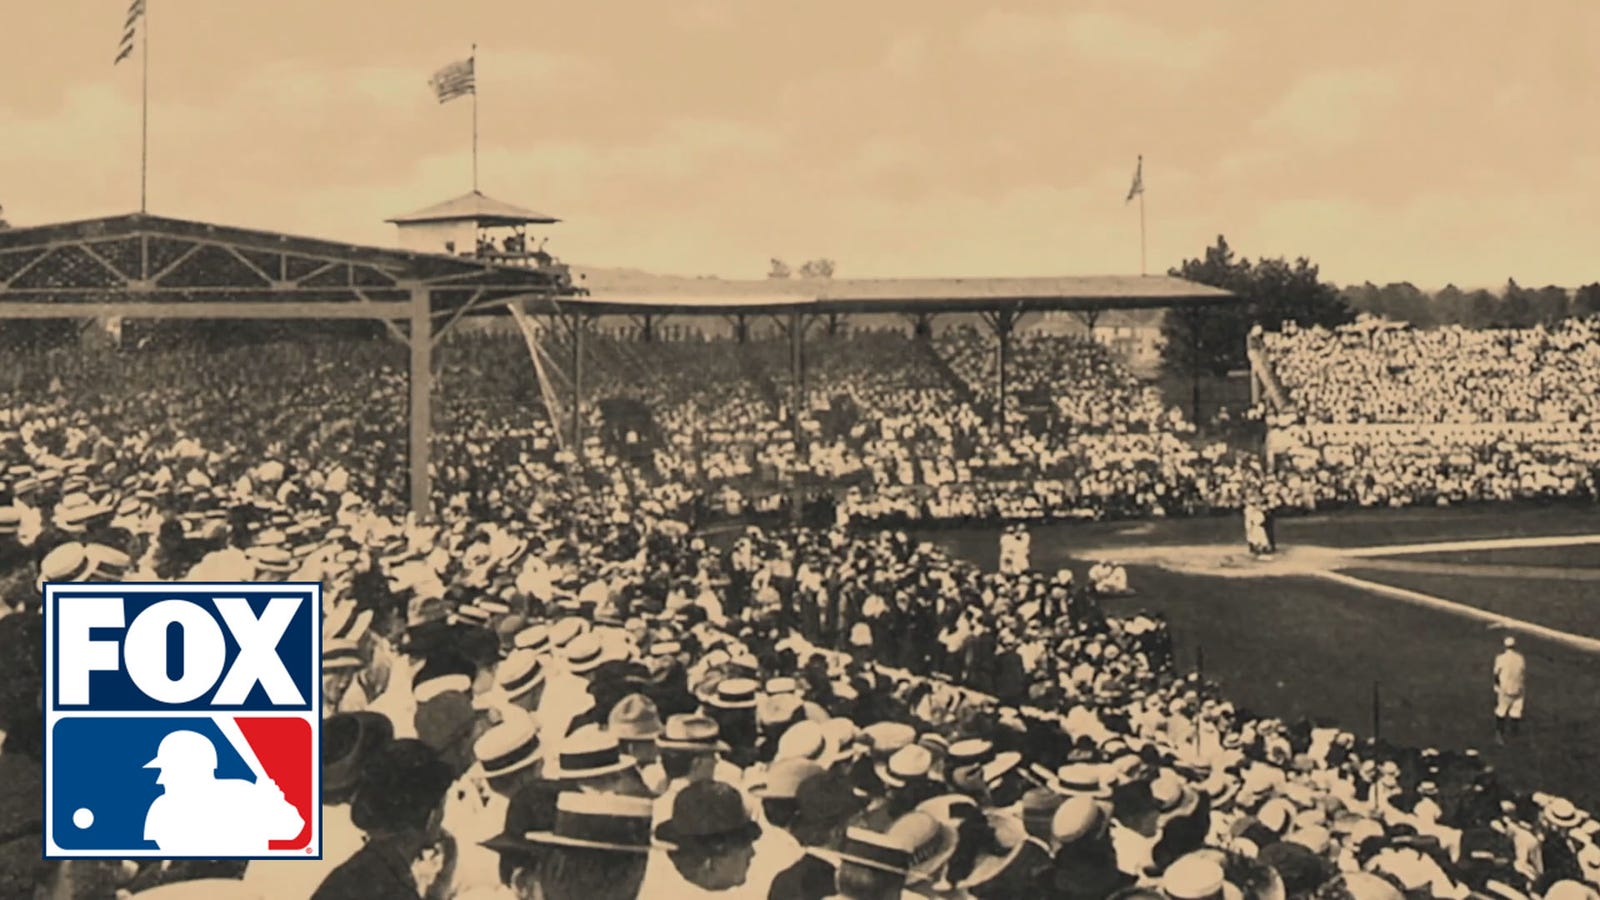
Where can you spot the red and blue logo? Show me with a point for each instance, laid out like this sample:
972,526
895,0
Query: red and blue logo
182,721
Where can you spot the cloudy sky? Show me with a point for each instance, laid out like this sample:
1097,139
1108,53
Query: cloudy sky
1430,140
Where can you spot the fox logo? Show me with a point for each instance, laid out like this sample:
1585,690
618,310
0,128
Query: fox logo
182,720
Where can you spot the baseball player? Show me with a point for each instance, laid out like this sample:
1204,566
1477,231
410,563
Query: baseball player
1510,673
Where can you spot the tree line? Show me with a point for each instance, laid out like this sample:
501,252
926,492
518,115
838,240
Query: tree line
1211,339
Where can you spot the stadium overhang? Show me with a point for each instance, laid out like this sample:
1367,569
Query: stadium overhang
616,294
143,266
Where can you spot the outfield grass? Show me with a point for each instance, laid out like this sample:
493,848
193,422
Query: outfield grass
1571,606
1304,647
1585,556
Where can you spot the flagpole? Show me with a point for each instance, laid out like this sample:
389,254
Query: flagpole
144,111
1142,270
474,118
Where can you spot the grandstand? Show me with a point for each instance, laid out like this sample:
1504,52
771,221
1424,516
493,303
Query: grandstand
585,452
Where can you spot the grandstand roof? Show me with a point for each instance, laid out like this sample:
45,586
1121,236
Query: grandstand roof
475,207
627,291
141,265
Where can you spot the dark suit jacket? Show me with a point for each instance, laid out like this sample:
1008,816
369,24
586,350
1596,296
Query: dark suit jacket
373,873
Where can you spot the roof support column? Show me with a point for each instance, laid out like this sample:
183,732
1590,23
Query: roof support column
797,402
1003,322
421,403
578,324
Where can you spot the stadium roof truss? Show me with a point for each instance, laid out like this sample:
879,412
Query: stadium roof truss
143,266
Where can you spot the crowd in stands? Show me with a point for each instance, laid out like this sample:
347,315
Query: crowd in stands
1386,415
562,689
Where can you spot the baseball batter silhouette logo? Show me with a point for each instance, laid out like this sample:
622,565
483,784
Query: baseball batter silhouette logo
182,720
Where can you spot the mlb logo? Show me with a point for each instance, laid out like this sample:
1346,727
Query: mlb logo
183,720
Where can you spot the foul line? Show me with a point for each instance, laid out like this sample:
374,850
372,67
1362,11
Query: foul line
1576,642
1573,540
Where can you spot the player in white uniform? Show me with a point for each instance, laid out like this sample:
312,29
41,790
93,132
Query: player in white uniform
1510,675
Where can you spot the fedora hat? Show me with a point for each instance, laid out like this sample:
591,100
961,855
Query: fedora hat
349,742
826,798
930,840
598,821
635,718
590,752
692,732
509,747
708,811
884,852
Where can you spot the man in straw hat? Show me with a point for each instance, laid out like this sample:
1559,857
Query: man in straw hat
824,807
872,865
597,848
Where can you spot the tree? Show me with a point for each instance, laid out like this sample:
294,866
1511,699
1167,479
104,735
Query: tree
1586,302
780,269
817,268
1271,292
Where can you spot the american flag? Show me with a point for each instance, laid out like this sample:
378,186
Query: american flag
452,81
129,29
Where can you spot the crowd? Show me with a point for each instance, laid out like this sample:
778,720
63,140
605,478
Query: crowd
1380,415
562,690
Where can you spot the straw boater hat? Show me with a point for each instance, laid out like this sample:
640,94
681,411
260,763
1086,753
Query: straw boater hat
509,747
1197,877
585,653
883,852
519,673
275,560
590,752
592,821
930,840
107,563
66,563
78,510
735,693
340,655
535,638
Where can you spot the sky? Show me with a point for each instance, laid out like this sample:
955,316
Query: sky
1436,141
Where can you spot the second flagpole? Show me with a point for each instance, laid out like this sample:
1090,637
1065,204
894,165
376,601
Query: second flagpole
474,118
144,112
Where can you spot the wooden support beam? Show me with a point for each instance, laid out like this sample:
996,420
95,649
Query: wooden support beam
383,309
421,404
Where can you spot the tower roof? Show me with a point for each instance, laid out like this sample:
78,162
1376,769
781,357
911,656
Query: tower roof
475,207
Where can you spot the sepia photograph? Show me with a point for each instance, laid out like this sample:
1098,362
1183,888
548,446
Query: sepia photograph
1043,449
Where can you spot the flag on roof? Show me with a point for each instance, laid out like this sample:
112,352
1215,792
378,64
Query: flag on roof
455,80
1137,187
129,29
